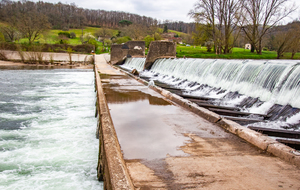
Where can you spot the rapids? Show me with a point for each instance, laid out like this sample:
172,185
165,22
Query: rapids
47,130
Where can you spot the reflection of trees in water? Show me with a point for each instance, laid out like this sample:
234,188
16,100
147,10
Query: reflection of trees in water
113,96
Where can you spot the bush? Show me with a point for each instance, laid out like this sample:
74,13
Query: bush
148,39
124,39
64,33
83,48
63,41
157,36
93,42
72,35
107,42
9,46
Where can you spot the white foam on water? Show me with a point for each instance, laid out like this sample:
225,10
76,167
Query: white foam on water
56,148
294,119
262,109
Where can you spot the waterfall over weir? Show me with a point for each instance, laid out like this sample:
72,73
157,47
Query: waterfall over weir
268,82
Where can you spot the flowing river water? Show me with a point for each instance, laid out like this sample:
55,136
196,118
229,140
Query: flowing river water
47,129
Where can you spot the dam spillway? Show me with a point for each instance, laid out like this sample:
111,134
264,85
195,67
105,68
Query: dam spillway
270,85
168,143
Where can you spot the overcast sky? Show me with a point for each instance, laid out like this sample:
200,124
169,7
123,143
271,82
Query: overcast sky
175,10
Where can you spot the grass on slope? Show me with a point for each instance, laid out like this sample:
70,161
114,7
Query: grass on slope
51,37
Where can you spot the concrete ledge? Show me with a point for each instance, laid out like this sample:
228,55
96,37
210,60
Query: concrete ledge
257,139
284,152
111,165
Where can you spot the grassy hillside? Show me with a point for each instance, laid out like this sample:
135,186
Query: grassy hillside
51,37
173,31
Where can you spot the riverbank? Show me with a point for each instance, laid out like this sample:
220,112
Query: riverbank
74,66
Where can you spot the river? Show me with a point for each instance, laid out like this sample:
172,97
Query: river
47,129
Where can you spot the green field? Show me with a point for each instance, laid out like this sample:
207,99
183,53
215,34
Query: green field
237,53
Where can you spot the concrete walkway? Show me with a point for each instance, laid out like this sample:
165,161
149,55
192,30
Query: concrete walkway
105,68
167,147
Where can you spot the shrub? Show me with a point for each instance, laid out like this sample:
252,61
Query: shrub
124,39
63,41
64,33
157,36
94,43
72,35
107,42
83,48
148,39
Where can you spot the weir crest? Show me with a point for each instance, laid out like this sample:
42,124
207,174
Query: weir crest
264,82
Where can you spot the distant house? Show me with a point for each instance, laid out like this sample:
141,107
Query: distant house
247,46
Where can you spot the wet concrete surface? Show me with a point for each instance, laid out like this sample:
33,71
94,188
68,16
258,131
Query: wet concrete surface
168,147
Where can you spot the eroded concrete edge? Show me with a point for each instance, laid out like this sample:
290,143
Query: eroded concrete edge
255,138
111,165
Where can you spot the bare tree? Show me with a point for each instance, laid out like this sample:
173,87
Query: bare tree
134,31
103,33
223,16
285,39
32,25
10,33
261,16
295,42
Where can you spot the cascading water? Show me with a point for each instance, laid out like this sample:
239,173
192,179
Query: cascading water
251,77
270,81
47,130
134,63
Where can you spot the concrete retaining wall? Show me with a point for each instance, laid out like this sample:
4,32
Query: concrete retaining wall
130,49
111,166
160,49
47,56
118,54
257,139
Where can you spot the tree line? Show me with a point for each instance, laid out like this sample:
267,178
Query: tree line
65,16
179,26
223,22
